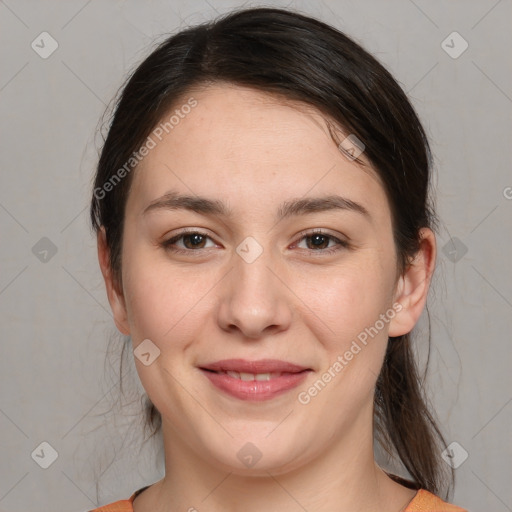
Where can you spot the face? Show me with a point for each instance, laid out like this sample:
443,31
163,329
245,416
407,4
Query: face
256,274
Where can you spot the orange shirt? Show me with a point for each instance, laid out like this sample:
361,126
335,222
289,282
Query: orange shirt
424,501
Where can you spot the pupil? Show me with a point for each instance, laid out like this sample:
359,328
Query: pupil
316,238
195,239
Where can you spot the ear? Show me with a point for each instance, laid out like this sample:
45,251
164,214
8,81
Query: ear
412,287
115,296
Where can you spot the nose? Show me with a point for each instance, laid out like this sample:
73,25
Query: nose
255,299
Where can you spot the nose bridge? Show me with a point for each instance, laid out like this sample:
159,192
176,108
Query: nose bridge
252,273
256,300
252,276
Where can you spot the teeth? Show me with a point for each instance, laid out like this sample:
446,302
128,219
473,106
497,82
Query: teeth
251,376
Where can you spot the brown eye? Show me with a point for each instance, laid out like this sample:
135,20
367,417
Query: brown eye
191,240
195,240
318,241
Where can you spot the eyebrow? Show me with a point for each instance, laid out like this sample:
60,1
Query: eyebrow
301,206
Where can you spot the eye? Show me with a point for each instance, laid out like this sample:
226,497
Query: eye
319,241
192,240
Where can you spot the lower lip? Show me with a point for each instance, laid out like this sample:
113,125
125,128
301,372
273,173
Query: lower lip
255,390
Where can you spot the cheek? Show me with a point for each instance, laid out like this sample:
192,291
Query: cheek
348,299
170,304
347,322
163,310
166,306
160,298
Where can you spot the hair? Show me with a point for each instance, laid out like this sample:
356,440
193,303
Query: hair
298,58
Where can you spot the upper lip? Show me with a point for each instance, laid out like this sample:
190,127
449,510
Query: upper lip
260,366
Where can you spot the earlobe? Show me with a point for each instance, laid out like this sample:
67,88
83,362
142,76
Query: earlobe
114,294
412,287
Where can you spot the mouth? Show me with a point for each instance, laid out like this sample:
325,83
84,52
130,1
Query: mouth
254,380
247,377
260,366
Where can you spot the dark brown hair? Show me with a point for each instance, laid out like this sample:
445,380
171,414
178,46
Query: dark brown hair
297,58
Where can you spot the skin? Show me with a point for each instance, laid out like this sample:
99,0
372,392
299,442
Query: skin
292,303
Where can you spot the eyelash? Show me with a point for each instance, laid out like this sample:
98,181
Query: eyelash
340,243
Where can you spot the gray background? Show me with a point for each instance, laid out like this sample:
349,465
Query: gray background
58,379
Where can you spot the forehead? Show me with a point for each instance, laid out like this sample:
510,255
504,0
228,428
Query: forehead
241,143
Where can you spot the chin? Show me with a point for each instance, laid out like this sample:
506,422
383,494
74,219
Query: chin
258,457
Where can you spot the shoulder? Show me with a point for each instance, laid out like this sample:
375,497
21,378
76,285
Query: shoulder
121,505
425,501
117,506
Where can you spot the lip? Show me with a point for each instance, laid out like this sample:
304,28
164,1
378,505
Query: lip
255,390
260,366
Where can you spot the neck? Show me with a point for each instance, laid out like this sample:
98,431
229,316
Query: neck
345,478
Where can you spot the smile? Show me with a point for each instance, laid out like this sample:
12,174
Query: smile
252,376
254,386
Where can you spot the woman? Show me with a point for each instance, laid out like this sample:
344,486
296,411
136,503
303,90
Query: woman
266,239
